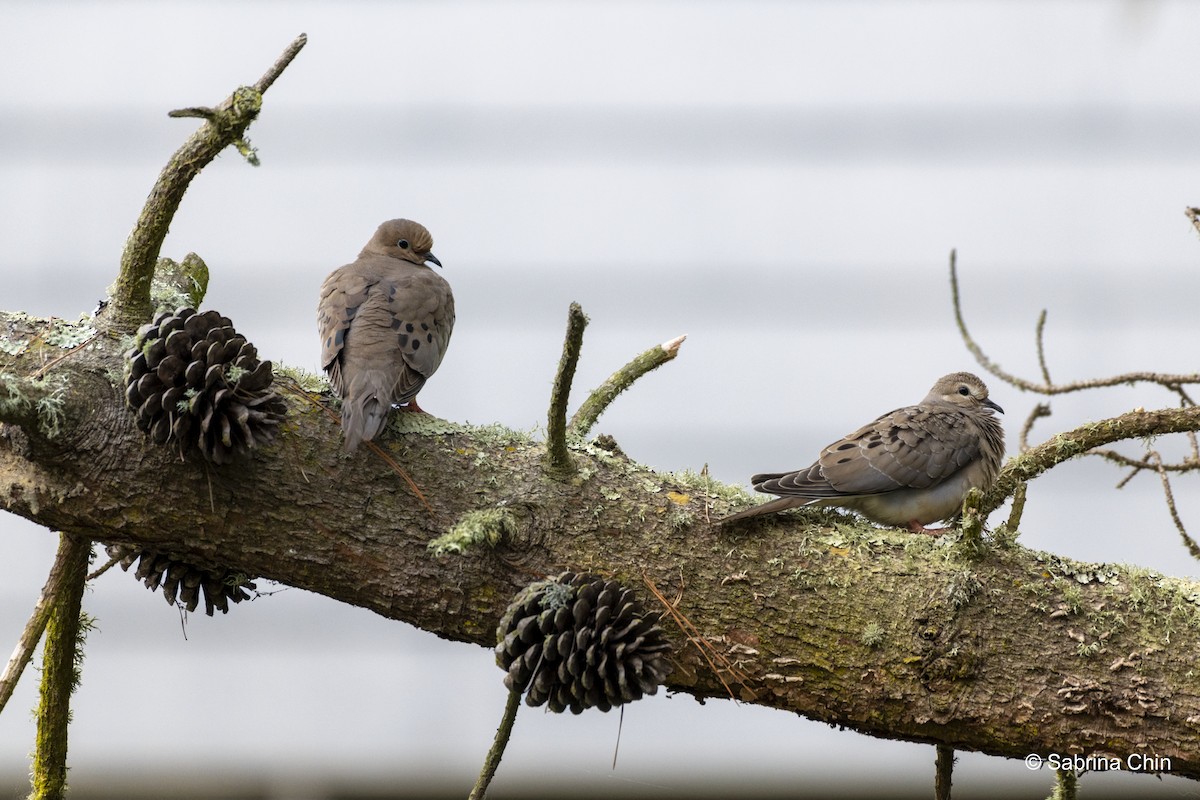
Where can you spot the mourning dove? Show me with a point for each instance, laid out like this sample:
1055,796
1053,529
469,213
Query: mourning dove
385,321
910,467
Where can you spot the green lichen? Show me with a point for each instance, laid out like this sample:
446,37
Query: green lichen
12,396
68,334
13,347
873,635
308,381
47,398
962,588
484,527
50,409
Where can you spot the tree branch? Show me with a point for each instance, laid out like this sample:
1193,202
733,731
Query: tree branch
225,124
1166,380
558,458
60,671
1065,446
929,644
36,626
603,395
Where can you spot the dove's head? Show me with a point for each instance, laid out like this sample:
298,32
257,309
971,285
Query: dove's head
403,239
964,390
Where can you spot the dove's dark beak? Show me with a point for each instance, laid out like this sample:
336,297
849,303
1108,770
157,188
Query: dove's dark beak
989,404
433,258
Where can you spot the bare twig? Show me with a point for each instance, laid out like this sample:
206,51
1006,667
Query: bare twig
112,562
944,766
1188,541
1041,347
1193,214
1166,380
558,460
1018,508
36,625
59,673
603,395
709,653
496,752
1040,410
226,124
1068,445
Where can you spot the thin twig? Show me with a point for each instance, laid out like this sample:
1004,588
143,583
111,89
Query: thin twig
1040,410
1018,508
112,562
603,395
1068,445
1188,541
496,752
1162,379
1041,347
1187,465
706,650
558,460
944,765
225,126
269,77
59,673
36,625
1193,214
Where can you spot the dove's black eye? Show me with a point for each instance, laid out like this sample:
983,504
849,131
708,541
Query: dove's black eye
964,391
402,244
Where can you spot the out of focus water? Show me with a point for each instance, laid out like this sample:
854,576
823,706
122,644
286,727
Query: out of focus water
781,181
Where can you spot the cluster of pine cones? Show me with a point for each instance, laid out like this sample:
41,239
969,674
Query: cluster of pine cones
580,641
194,382
184,583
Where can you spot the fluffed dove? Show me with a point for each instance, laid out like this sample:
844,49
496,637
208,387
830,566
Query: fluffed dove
910,467
385,321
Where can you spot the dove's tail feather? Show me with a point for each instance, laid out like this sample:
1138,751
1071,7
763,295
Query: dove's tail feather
365,409
778,504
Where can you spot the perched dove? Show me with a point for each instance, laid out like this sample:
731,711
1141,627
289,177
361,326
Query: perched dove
385,321
910,467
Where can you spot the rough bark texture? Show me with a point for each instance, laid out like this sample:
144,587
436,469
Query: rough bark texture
1005,650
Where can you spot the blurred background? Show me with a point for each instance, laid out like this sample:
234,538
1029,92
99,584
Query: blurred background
781,181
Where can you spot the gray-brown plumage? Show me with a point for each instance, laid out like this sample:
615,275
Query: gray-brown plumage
909,467
385,322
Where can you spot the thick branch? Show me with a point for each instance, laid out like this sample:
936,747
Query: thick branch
226,124
1004,650
600,399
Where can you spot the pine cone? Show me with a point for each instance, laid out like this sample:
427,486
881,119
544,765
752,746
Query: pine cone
195,381
578,641
182,582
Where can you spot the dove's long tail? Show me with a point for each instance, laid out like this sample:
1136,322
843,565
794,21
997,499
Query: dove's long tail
779,504
365,408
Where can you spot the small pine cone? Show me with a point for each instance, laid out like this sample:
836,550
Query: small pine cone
181,582
580,641
196,382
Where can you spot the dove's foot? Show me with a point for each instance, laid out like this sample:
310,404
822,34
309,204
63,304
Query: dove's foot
917,527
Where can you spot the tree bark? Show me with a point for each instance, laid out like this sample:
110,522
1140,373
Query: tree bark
1002,650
